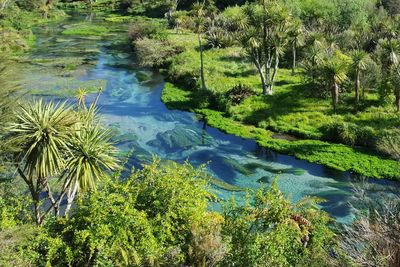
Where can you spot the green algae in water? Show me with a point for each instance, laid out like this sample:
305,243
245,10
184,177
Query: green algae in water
253,166
119,19
226,186
144,76
85,29
67,87
243,169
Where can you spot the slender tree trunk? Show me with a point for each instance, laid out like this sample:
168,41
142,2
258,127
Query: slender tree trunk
274,73
50,196
357,87
35,194
262,77
397,95
294,52
335,96
203,82
70,198
268,76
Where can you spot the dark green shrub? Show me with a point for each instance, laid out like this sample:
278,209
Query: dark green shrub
217,37
389,143
238,93
340,132
146,29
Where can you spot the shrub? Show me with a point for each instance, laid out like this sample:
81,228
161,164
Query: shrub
341,132
219,38
146,29
154,53
238,93
389,143
269,231
372,239
146,220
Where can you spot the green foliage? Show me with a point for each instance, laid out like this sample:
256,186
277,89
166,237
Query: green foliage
154,53
53,140
14,207
389,143
270,230
17,19
145,220
147,29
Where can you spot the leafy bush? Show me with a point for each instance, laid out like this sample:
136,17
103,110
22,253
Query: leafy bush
217,37
239,93
146,29
341,132
349,134
389,143
270,231
145,220
154,53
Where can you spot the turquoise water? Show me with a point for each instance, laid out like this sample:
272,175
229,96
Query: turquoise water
131,105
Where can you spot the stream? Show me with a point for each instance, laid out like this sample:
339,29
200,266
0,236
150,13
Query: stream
131,106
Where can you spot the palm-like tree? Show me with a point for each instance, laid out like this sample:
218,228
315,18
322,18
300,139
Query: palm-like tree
92,157
390,50
296,39
358,65
41,132
56,141
334,71
314,53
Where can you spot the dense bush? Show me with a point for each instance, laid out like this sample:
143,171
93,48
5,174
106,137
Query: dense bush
154,53
270,231
389,143
349,134
159,217
239,93
146,29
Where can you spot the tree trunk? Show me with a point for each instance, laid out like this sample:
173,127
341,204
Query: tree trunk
35,194
70,198
262,78
357,87
335,96
397,94
294,58
268,78
274,73
203,82
36,207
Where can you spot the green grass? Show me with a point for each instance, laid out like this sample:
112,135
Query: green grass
86,29
336,156
292,109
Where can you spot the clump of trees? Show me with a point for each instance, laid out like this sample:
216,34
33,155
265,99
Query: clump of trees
54,142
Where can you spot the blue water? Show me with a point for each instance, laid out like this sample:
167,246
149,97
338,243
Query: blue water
132,107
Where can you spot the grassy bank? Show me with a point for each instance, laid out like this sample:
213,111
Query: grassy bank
292,109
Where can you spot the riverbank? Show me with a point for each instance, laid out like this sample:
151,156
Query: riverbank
291,110
16,23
